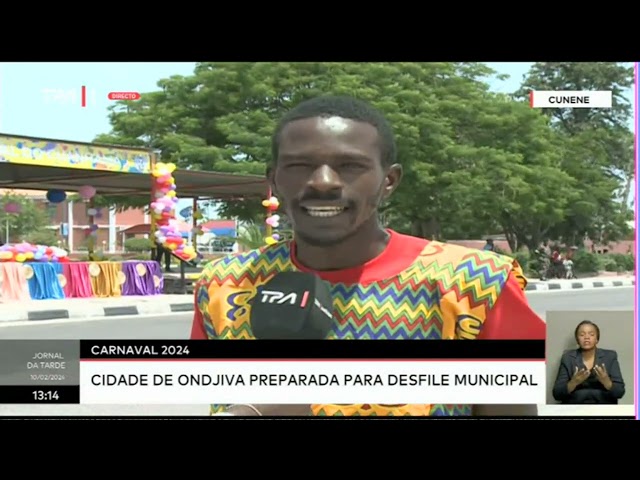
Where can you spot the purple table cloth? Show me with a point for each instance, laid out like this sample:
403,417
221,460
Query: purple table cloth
142,278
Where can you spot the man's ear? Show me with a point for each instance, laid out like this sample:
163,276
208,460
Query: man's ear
392,180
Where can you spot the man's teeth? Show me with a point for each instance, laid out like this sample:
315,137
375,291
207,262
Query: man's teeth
324,211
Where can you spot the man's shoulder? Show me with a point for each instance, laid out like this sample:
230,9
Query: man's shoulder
247,266
457,265
460,256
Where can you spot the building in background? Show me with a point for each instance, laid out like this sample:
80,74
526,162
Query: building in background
70,221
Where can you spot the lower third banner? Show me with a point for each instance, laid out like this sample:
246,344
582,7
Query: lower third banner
312,381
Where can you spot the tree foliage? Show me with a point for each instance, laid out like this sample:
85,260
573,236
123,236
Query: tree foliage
29,225
476,162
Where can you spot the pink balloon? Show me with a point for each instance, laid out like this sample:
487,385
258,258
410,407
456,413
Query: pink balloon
87,192
12,207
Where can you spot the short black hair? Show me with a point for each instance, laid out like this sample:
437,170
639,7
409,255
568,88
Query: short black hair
587,322
345,107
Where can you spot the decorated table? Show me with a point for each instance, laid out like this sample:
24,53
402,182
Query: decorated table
57,280
39,272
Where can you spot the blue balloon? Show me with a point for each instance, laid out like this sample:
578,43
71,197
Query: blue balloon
56,196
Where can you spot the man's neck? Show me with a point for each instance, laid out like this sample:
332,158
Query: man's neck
356,250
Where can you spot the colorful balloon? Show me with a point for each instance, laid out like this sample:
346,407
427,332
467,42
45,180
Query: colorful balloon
56,196
12,207
273,221
163,211
25,252
87,192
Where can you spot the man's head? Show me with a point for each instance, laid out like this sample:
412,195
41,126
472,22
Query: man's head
333,164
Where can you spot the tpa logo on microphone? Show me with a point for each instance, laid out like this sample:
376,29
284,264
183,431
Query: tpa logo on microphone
280,298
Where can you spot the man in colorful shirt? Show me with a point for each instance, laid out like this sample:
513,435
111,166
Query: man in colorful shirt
334,162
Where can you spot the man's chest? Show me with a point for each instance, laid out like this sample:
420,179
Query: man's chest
382,310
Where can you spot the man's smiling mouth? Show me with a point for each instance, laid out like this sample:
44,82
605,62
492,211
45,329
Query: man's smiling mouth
323,211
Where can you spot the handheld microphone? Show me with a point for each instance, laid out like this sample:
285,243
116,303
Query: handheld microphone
292,306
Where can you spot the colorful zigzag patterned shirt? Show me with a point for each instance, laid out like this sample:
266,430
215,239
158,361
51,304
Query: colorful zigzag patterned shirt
414,290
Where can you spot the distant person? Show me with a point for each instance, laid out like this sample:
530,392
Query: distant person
166,253
589,375
489,246
543,257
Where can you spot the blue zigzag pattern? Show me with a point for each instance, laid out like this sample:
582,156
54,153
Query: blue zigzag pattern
450,410
366,332
366,294
492,279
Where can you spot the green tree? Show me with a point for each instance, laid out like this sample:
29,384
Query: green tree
475,162
596,146
29,225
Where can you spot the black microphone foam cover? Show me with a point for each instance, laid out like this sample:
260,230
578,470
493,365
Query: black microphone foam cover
292,306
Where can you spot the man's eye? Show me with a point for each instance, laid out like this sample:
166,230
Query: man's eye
297,165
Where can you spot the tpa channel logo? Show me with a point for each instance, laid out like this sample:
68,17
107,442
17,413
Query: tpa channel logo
78,96
81,96
280,298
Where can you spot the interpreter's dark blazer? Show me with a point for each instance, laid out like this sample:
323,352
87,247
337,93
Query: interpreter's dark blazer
591,391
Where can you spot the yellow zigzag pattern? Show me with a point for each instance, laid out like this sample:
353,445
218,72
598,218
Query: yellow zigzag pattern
239,332
257,265
478,276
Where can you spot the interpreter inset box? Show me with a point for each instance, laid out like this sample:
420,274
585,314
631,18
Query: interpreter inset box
590,357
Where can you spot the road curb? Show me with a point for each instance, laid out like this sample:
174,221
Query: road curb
110,312
168,308
578,285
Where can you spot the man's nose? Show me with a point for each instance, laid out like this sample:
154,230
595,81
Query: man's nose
325,179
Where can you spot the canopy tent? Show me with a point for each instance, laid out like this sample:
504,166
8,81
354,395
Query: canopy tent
29,163
46,164
191,184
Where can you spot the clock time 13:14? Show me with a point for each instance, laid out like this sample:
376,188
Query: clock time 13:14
45,395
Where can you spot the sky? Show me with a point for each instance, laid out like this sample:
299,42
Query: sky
27,109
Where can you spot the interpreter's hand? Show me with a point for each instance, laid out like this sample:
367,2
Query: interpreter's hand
580,375
603,376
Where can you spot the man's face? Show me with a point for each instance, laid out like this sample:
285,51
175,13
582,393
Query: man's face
329,177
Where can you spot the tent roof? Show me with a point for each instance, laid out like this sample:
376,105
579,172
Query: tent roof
190,183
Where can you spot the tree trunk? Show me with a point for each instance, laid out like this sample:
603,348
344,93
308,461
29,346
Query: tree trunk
429,229
512,240
626,193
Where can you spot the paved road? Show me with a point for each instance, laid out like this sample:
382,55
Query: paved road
178,326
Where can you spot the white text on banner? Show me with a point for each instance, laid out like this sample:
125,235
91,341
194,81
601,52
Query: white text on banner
312,381
570,99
